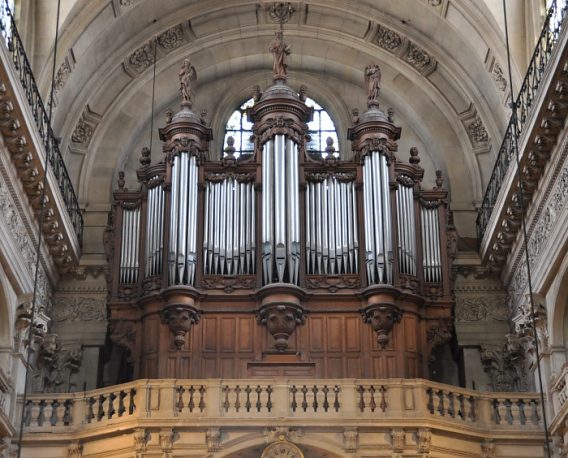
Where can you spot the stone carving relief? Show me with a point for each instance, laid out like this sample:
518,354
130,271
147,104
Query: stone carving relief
82,133
525,330
350,440
505,365
140,437
423,440
79,308
123,334
475,129
213,439
408,51
481,308
61,77
282,449
398,440
165,42
84,129
75,450
25,247
488,450
167,437
55,366
280,12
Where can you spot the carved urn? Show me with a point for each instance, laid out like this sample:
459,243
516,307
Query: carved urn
382,318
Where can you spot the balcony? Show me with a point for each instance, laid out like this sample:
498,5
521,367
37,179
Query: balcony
535,126
34,149
218,415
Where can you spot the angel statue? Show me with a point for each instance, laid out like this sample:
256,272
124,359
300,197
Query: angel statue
373,82
187,77
280,50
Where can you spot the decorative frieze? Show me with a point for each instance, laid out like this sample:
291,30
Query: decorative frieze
79,308
402,47
143,57
485,307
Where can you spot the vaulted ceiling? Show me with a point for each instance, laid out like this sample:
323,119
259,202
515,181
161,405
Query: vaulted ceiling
443,64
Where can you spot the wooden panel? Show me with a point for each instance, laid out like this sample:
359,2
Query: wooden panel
352,333
334,334
334,367
209,368
227,367
171,367
245,334
353,367
184,367
410,332
151,328
209,334
316,333
227,334
378,367
391,367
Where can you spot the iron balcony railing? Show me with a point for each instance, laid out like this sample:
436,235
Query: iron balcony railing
12,39
522,109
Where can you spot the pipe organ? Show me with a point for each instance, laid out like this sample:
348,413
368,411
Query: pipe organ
280,262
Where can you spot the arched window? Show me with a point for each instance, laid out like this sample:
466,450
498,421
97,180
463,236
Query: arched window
319,129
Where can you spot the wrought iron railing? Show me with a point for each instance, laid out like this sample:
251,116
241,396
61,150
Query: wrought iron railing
522,110
23,68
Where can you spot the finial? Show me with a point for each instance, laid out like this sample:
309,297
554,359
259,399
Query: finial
390,114
203,117
355,115
373,83
187,78
145,159
439,179
279,50
121,181
256,93
302,94
329,149
230,148
414,159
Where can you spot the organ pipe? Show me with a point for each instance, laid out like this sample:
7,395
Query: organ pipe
432,259
130,245
331,227
406,229
154,231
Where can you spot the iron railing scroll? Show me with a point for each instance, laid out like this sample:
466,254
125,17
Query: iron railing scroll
522,110
13,42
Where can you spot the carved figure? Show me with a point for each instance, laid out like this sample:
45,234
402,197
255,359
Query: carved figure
187,77
280,50
373,82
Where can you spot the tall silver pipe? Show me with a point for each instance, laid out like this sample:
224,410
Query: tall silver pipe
350,234
242,216
319,227
378,214
369,219
289,206
267,195
280,206
385,198
229,228
308,228
355,227
182,227
192,223
207,228
325,228
252,228
172,249
223,229
412,224
296,196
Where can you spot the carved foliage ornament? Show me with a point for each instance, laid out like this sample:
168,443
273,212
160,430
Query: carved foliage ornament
388,39
280,12
281,321
382,318
79,308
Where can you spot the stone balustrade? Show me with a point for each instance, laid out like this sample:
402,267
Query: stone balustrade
342,401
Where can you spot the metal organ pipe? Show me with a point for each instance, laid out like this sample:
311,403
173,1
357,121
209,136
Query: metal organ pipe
331,225
432,263
154,227
406,229
229,239
376,200
130,245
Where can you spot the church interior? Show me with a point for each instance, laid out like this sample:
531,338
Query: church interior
246,228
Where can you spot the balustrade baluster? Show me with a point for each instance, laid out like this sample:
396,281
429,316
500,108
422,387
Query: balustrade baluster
315,403
201,398
294,404
325,390
336,398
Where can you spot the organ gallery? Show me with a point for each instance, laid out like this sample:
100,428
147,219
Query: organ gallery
281,261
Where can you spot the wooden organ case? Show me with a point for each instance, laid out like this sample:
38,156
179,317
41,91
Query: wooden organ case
280,262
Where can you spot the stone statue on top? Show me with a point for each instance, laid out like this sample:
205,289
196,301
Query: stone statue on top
280,50
373,84
187,77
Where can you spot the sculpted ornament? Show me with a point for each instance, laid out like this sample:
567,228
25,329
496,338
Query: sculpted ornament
281,321
373,84
79,308
282,449
179,319
280,51
382,318
187,77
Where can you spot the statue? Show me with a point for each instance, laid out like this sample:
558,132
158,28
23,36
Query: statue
187,77
280,50
373,82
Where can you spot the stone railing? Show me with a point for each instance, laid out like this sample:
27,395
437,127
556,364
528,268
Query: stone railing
559,394
340,402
